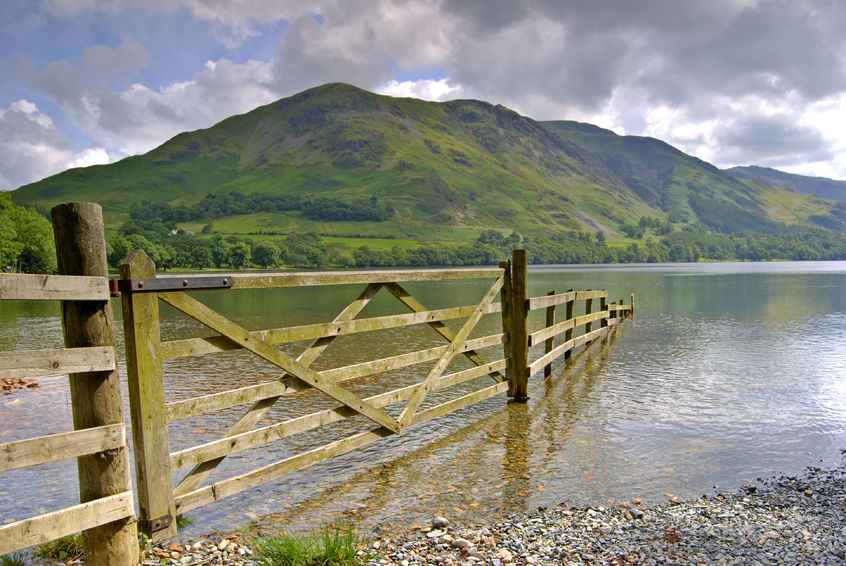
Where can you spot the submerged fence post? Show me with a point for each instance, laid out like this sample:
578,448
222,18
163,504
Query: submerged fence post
632,311
95,396
157,511
519,380
568,335
506,297
550,342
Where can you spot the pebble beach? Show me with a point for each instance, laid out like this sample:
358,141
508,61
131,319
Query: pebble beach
781,520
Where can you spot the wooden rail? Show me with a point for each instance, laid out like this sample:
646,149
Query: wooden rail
143,291
105,514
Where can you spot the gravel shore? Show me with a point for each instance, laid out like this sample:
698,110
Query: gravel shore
783,520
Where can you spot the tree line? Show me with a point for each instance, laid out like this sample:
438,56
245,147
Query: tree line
26,244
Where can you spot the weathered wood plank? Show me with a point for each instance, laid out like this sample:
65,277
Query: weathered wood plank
519,326
24,286
232,444
38,363
201,346
539,336
461,402
145,382
50,526
568,333
591,294
247,422
414,305
60,446
565,347
550,341
551,300
407,415
551,356
231,486
311,278
218,323
251,393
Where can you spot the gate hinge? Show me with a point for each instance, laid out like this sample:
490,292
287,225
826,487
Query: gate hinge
156,284
157,524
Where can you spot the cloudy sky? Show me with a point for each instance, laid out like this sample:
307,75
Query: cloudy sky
731,81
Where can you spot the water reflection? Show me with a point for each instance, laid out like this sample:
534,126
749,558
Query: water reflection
730,372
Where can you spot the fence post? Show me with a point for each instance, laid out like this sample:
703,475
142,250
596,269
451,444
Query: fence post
157,513
589,325
519,384
603,305
506,297
550,342
95,396
632,311
568,334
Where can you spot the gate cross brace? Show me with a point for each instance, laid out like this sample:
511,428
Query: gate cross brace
438,326
194,478
407,416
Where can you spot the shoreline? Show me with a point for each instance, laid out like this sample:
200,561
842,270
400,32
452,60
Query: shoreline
782,519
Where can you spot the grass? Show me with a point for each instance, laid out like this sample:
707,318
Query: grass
182,521
63,549
332,546
12,560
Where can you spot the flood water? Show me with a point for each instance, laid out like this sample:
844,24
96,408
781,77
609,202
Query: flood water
730,372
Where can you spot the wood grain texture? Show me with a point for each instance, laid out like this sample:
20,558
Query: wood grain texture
60,446
23,286
257,411
83,517
39,363
96,399
142,337
202,346
252,393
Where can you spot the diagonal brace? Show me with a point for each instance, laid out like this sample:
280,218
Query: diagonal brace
195,477
406,298
200,312
407,416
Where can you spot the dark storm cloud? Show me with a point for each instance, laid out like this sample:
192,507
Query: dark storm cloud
772,140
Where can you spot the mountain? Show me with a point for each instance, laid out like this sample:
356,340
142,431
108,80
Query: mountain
819,186
438,172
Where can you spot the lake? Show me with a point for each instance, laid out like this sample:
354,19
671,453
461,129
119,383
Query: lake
730,372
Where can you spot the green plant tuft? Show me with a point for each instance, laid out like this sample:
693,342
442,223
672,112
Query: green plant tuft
332,546
62,549
12,560
182,521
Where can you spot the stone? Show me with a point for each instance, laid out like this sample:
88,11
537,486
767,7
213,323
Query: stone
439,522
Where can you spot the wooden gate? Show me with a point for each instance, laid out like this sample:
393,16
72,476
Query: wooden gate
141,292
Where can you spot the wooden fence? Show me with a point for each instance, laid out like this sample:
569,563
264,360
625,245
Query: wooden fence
98,441
97,414
142,291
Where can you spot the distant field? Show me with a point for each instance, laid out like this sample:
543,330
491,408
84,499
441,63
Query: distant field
381,235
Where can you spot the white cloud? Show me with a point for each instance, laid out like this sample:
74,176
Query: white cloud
32,147
139,118
426,89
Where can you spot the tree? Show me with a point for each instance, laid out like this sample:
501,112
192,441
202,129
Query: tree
265,254
26,239
241,255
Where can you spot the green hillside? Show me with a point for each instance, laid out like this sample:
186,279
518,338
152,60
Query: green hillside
442,172
818,186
